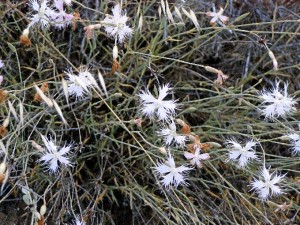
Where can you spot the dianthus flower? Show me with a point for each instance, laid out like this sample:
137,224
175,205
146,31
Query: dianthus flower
196,157
53,154
61,18
295,139
241,154
115,25
170,135
164,109
217,16
171,174
277,103
44,13
267,185
79,84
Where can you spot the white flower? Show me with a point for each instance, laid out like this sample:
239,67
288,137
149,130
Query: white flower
277,103
295,139
78,222
116,25
196,157
164,109
240,153
78,85
217,16
170,135
53,154
171,174
44,13
61,18
268,185
1,64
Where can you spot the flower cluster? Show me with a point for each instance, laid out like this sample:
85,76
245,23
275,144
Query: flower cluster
268,184
164,111
276,103
45,14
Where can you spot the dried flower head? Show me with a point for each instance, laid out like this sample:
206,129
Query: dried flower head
283,207
76,17
89,31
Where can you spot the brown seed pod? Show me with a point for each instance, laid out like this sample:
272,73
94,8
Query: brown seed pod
3,94
41,221
3,131
115,67
2,178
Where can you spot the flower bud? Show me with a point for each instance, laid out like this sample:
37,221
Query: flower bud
162,150
115,52
275,63
211,69
5,122
2,167
24,39
26,32
43,210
